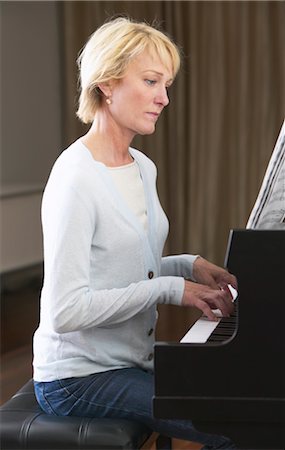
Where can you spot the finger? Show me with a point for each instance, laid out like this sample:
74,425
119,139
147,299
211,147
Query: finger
231,279
223,301
206,310
234,282
232,291
227,306
226,277
226,288
210,282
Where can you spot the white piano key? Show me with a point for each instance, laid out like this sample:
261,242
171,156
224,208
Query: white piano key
234,292
200,331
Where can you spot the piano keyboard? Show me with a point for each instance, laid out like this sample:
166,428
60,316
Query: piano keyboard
205,330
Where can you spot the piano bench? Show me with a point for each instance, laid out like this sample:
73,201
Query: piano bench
25,426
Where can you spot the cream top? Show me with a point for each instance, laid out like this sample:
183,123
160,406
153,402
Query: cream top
129,183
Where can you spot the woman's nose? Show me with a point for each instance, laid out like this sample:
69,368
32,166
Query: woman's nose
162,97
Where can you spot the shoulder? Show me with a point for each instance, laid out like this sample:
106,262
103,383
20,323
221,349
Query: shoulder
75,161
73,171
73,156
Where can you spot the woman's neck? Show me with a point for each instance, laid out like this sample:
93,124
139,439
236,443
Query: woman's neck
108,144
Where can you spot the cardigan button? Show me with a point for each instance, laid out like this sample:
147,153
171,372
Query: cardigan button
150,274
150,356
150,331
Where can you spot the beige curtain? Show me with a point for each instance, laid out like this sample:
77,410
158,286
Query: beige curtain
214,141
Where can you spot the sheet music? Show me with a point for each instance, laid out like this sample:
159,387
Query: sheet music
269,209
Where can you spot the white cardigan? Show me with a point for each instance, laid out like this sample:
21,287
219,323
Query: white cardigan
104,273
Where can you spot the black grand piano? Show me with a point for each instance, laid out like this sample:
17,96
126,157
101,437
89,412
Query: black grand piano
234,384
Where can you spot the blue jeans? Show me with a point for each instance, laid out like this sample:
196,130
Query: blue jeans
122,394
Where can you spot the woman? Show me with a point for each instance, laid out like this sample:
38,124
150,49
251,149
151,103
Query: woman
104,233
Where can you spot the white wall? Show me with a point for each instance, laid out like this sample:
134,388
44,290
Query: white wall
31,132
21,237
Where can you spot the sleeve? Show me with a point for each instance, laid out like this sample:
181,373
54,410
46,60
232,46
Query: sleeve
178,265
68,224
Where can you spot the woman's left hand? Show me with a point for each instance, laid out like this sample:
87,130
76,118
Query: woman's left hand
205,272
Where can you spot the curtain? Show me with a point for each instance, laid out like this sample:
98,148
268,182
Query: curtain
214,141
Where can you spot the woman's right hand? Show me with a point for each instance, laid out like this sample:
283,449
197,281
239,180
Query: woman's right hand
206,299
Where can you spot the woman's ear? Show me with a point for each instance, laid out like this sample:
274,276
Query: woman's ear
105,88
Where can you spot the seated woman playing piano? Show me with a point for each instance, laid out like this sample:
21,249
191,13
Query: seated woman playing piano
104,232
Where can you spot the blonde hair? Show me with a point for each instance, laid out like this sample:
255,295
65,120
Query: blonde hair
108,52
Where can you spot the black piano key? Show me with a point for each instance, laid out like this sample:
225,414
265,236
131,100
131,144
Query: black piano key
215,338
225,328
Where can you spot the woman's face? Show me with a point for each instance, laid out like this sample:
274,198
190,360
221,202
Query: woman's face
140,96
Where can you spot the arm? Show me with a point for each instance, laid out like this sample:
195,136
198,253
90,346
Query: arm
178,265
69,223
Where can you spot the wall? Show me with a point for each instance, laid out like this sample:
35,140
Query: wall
31,131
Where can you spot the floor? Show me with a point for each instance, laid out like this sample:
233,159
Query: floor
16,369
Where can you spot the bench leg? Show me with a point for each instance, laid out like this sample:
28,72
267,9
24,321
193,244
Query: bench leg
163,443
158,442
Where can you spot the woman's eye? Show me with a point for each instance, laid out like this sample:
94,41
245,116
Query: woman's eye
150,82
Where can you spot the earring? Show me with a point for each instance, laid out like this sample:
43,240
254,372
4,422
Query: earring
108,101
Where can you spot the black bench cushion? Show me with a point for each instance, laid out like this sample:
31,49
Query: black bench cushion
25,426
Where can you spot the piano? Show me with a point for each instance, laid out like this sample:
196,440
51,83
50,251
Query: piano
232,381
